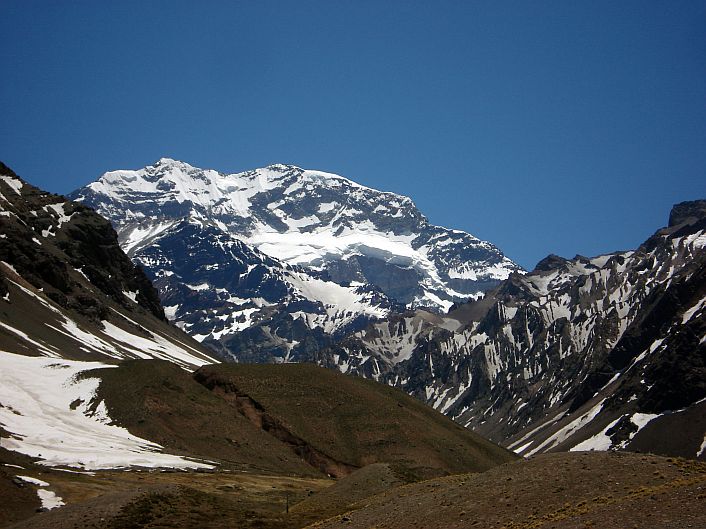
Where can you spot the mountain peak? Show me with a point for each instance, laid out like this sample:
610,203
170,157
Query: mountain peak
308,218
687,212
283,167
165,160
550,262
165,163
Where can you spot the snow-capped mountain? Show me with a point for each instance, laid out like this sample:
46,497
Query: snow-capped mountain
599,353
312,219
270,264
93,377
246,305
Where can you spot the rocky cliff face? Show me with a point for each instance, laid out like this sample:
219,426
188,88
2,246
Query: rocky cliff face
246,305
275,263
67,288
580,353
45,236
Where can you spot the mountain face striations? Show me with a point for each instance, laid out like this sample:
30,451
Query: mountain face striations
584,353
276,263
285,264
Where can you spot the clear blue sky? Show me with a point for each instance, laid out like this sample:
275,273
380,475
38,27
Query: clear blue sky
543,126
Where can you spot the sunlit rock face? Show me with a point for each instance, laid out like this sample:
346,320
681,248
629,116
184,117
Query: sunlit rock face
272,264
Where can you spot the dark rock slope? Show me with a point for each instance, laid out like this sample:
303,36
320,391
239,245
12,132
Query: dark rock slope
582,353
68,290
45,236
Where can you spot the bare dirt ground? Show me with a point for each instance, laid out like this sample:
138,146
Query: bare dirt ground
567,490
359,485
127,499
558,491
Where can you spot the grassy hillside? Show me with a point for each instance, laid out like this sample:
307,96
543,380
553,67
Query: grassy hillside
157,400
354,421
339,497
292,419
277,434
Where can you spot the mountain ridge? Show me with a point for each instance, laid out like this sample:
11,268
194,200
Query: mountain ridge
287,200
540,350
326,254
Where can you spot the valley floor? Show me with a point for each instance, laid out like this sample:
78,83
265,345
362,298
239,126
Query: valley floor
563,490
129,499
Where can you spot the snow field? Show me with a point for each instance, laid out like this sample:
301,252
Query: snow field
50,413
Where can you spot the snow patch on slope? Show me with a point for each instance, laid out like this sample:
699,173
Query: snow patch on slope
47,410
48,498
13,183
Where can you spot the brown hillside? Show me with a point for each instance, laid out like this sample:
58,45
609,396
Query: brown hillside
289,419
604,490
351,420
157,400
